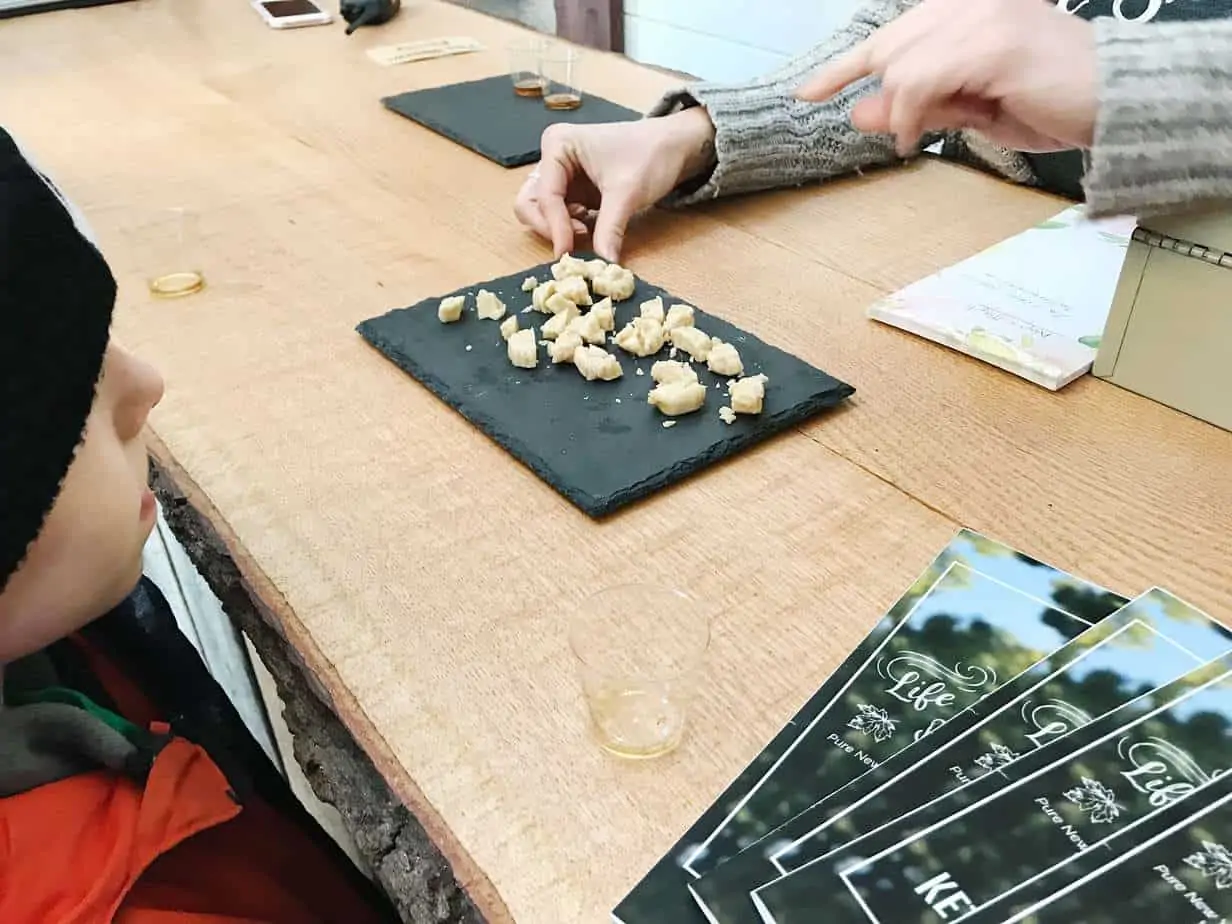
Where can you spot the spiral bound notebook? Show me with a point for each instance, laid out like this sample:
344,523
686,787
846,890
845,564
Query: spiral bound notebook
1168,333
1035,305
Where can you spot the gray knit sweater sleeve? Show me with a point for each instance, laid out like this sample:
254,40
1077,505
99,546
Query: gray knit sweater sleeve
1163,137
766,138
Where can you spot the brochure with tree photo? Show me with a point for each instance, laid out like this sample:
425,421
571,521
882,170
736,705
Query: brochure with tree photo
980,615
1174,866
992,838
1146,645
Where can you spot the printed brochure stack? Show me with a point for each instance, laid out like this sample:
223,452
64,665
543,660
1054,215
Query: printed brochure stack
1009,743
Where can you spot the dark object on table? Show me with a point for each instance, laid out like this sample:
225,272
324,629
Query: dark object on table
368,12
597,443
1059,172
490,119
593,23
48,6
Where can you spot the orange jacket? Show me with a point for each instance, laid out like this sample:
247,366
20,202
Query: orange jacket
181,849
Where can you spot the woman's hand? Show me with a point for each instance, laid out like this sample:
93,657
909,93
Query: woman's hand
1020,72
603,175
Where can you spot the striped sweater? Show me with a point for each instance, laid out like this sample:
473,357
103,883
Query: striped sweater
1163,137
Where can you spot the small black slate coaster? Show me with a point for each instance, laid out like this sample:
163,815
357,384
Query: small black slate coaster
487,117
597,443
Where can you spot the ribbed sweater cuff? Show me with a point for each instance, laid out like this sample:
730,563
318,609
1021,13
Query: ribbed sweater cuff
1163,136
766,138
765,143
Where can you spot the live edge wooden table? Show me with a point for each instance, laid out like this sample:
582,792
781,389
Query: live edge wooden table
421,575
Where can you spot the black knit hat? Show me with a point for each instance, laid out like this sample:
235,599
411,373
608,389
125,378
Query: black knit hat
56,299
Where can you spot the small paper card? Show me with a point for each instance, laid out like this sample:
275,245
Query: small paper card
1174,866
979,615
423,50
1148,644
994,836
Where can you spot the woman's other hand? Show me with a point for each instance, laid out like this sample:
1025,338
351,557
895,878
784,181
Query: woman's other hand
1020,72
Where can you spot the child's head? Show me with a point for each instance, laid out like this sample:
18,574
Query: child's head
75,510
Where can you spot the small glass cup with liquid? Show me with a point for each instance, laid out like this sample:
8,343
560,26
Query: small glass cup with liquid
562,87
640,650
168,248
526,66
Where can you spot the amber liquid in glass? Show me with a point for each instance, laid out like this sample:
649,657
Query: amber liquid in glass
562,100
528,86
637,723
176,285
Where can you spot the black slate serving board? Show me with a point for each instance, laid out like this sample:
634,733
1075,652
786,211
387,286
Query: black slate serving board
487,117
597,443
48,6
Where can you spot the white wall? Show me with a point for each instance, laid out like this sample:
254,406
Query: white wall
728,39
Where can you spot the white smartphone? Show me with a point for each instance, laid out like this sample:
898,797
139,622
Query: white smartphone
291,14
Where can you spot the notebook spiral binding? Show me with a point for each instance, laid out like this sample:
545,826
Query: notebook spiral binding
1183,247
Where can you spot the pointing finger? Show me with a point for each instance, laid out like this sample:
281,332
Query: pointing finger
836,75
615,211
552,187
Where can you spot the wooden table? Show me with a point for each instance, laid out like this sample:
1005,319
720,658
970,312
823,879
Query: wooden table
416,567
